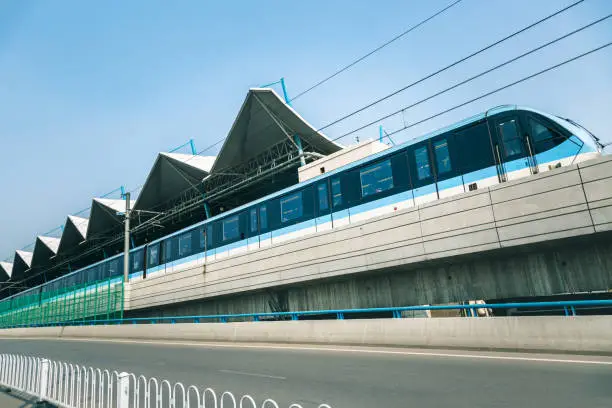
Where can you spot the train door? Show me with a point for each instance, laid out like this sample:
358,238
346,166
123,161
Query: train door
445,164
420,158
512,147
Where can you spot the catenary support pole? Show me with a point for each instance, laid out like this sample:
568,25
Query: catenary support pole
126,241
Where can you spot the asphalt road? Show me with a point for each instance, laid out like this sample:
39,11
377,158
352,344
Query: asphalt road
352,377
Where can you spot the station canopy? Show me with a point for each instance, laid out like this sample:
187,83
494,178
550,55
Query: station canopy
261,152
75,232
6,269
44,249
105,217
171,175
21,263
264,120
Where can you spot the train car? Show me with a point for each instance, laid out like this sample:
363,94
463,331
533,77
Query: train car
502,144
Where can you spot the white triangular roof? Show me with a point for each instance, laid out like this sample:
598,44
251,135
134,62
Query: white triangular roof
203,163
254,130
113,203
7,267
170,176
104,215
80,223
75,232
50,242
25,256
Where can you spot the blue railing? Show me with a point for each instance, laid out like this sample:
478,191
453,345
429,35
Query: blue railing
569,308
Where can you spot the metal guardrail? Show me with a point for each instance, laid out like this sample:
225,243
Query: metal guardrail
569,308
74,386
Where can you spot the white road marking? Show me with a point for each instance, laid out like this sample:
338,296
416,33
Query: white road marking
328,349
253,374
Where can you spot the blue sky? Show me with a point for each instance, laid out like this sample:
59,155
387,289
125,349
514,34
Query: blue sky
91,91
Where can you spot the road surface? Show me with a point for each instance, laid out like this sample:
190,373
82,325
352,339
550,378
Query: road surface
352,377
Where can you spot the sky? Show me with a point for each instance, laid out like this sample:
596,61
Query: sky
90,92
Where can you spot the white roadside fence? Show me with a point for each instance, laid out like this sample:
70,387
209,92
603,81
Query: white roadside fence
74,386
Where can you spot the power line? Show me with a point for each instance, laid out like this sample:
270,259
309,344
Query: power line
358,60
551,68
451,65
476,76
426,77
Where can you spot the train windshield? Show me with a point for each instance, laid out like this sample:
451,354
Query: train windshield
595,138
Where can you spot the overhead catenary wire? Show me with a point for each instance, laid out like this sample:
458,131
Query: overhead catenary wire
479,75
482,96
375,50
431,75
457,62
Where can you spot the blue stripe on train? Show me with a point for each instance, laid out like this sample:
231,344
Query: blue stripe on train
564,150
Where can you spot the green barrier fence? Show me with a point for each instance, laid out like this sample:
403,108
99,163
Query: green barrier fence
102,300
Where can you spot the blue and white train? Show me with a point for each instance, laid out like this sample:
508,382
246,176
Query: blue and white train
504,143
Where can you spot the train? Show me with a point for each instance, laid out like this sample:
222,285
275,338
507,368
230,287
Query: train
502,144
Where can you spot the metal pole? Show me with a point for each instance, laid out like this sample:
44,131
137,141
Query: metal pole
298,142
126,240
285,95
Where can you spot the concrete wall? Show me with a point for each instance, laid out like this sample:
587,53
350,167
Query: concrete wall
536,236
588,334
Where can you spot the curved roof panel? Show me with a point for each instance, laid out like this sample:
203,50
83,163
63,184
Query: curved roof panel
6,269
44,249
171,174
21,263
258,127
75,232
103,217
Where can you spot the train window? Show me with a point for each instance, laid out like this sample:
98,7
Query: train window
168,250
539,132
79,277
137,261
443,160
474,148
544,137
90,274
70,280
231,228
376,178
253,219
113,268
153,256
336,192
510,136
422,163
209,236
96,273
263,216
322,196
184,245
291,207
